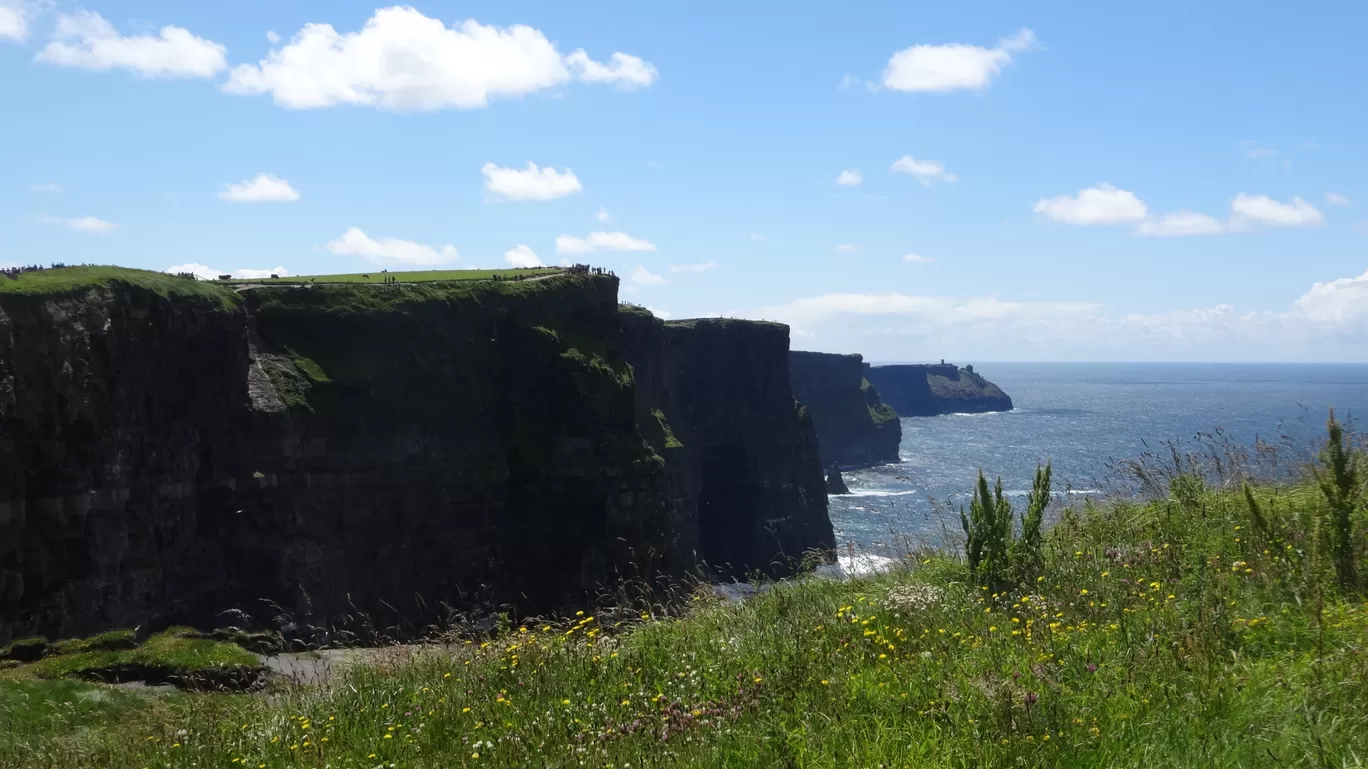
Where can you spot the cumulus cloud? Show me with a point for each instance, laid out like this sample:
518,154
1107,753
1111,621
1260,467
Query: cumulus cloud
704,267
84,40
1180,223
354,242
846,248
404,60
209,273
953,66
622,70
1337,302
264,188
14,19
1336,199
1263,210
90,224
849,178
530,183
1103,204
926,171
601,241
917,259
644,277
522,256
602,215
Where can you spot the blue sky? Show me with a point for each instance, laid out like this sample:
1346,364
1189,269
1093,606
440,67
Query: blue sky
1043,181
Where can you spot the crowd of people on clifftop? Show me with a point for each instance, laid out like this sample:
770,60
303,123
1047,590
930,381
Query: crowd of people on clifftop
13,273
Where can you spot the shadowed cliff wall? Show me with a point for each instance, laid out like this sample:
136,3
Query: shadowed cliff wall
855,428
740,451
162,460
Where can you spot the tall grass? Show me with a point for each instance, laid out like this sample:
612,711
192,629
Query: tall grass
1199,628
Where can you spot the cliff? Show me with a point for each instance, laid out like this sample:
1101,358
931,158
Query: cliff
855,428
928,390
746,489
172,450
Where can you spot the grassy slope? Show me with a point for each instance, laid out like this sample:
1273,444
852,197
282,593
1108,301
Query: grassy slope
1158,635
413,276
69,279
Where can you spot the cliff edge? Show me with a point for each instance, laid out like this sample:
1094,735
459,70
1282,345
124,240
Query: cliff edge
745,486
921,390
855,428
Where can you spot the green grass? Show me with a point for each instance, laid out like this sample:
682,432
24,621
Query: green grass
882,413
1169,633
67,280
412,276
178,653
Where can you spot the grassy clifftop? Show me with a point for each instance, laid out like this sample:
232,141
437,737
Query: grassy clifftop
1207,628
67,280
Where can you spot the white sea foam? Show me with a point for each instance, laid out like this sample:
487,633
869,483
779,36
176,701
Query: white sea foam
879,493
857,565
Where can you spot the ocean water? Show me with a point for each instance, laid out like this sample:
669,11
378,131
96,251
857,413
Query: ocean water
1083,417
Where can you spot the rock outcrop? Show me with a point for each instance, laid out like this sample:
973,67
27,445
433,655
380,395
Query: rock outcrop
855,428
924,390
395,451
835,483
745,485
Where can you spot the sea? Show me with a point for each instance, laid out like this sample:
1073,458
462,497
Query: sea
1088,420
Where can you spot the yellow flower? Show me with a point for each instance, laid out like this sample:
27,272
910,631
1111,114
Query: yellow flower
389,736
825,682
1084,591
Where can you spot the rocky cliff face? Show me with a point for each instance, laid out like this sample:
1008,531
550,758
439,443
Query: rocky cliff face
855,428
738,450
391,450
928,390
333,449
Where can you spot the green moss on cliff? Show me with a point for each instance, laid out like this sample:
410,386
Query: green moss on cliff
671,442
882,413
65,280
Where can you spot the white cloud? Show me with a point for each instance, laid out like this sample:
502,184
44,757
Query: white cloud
953,66
926,171
704,267
1261,209
1257,152
1329,321
354,242
14,19
1336,199
624,71
917,259
89,224
1103,204
404,60
45,188
272,37
644,277
846,248
849,178
1337,302
757,237
1180,223
602,215
531,183
522,256
209,273
601,241
84,40
264,188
